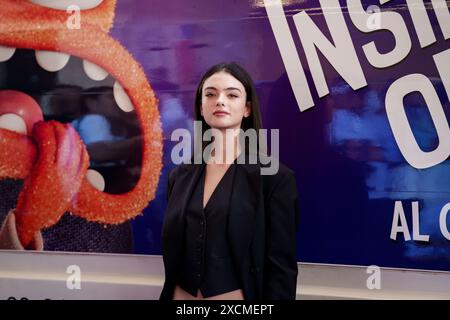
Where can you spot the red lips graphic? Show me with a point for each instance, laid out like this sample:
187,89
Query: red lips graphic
50,156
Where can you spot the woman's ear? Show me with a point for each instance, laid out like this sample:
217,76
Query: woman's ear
248,109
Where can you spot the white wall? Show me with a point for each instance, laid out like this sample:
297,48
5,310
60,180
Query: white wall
42,275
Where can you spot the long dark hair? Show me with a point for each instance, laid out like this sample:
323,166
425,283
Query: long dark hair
253,121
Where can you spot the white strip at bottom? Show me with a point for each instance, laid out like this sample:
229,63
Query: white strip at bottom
55,275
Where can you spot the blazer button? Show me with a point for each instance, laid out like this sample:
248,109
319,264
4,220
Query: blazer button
254,269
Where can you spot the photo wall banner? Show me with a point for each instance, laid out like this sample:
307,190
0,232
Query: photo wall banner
354,96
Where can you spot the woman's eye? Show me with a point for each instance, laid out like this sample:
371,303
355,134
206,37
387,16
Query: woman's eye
209,95
233,96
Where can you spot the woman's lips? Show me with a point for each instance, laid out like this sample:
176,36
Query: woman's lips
220,113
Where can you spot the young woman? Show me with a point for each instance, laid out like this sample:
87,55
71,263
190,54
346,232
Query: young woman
229,232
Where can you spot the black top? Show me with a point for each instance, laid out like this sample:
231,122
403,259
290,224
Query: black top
207,263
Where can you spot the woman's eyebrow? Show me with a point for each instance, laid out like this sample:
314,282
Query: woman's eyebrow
232,88
227,89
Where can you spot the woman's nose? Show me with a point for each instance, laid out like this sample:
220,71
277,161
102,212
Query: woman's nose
220,101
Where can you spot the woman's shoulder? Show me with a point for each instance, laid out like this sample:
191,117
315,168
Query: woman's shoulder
272,167
278,176
181,169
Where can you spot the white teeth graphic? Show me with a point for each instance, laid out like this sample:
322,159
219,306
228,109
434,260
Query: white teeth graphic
6,53
95,179
64,4
93,71
51,61
13,122
122,99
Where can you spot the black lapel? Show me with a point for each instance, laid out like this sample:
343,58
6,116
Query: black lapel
174,224
244,206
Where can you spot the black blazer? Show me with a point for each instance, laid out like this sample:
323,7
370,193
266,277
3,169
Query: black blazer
262,223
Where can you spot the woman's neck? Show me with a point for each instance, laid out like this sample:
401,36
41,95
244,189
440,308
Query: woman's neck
226,149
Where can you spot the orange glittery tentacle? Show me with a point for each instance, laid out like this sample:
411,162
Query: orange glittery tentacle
18,153
54,181
91,203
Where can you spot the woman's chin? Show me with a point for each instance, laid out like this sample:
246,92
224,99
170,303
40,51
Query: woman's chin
220,124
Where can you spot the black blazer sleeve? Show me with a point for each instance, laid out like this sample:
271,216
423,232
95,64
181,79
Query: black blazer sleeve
280,270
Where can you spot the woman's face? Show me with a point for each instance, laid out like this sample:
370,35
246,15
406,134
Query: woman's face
224,101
